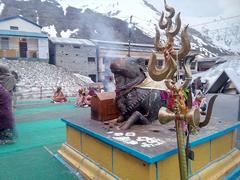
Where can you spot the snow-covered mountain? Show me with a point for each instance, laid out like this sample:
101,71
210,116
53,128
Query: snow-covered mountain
223,31
107,20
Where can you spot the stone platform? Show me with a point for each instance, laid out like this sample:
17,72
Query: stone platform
147,152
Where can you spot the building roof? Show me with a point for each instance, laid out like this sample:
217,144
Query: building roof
58,40
15,17
124,45
223,78
22,34
101,42
227,62
123,48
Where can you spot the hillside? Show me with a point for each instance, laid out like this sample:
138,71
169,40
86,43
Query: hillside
103,20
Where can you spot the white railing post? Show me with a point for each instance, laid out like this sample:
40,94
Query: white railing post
40,92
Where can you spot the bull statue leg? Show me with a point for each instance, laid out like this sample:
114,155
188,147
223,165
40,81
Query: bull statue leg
135,117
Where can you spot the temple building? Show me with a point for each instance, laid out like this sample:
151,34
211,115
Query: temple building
93,57
76,55
21,38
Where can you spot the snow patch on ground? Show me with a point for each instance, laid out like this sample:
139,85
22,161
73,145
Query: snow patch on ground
51,30
68,33
131,139
2,5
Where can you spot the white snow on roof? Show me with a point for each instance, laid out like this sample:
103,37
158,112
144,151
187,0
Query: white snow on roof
232,64
68,33
51,30
71,41
2,5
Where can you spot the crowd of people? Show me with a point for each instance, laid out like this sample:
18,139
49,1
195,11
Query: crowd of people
83,97
84,94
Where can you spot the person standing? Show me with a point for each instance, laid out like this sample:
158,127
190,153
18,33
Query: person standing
198,84
7,83
14,98
109,84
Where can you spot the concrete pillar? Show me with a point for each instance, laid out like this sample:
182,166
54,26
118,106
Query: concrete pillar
101,69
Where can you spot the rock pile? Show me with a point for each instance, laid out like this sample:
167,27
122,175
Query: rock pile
39,79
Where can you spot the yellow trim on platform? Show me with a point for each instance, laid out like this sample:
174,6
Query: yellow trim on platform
73,138
95,159
221,145
97,151
234,140
219,168
201,156
168,169
128,167
83,165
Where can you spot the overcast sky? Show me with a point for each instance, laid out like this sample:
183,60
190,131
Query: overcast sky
202,8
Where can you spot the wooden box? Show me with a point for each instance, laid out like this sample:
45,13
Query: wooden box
103,106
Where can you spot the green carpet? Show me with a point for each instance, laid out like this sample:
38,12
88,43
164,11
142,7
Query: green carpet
31,157
33,164
49,107
35,134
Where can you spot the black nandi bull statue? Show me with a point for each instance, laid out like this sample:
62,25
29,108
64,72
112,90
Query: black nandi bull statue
141,91
138,97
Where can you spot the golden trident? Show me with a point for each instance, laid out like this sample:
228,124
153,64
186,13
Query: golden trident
180,112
